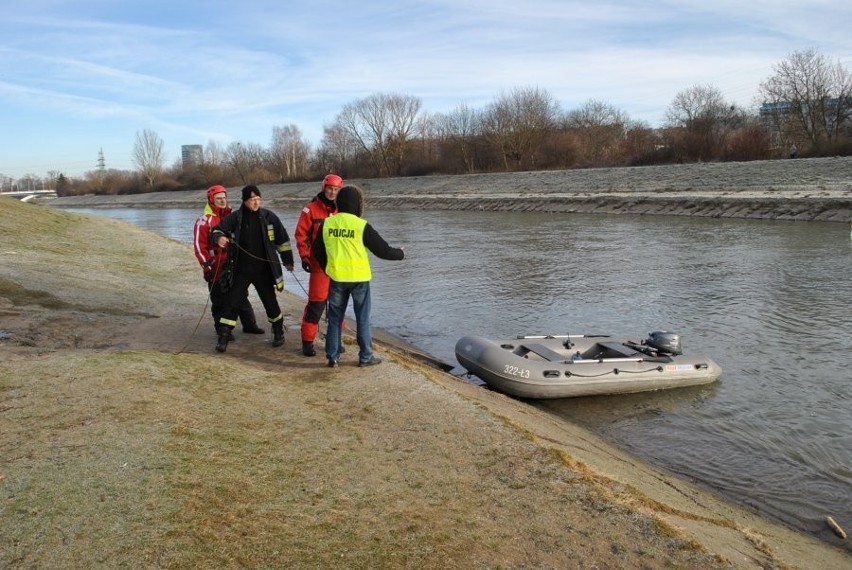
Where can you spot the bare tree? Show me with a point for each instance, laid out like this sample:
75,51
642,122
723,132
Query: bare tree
248,161
808,99
288,153
423,151
366,124
459,130
601,130
148,156
214,154
701,116
213,168
53,177
29,181
405,121
383,126
338,151
640,143
517,123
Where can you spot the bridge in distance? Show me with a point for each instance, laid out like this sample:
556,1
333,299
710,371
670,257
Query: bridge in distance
27,195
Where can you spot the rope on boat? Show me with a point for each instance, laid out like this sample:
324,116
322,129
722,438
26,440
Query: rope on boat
568,373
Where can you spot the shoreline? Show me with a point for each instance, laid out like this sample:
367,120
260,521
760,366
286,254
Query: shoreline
815,189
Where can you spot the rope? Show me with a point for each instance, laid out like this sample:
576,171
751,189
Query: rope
613,371
197,324
300,283
292,273
213,283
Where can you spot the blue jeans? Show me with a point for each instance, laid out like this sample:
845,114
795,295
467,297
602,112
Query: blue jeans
338,299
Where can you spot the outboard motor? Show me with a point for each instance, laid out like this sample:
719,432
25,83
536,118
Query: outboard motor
667,343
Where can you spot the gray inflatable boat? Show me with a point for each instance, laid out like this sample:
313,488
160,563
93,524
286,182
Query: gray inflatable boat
565,366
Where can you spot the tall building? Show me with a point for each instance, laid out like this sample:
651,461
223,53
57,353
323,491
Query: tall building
192,155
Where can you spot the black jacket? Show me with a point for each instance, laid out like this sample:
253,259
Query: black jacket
271,233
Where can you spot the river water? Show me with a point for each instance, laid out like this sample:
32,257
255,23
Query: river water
769,301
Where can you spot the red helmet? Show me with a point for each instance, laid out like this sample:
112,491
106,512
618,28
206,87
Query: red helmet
213,190
332,180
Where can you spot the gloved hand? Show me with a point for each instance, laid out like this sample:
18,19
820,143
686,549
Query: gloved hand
280,286
207,267
306,265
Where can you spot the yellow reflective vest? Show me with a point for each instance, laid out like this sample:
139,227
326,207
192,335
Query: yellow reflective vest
348,260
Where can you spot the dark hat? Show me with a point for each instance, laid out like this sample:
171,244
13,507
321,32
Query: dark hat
350,199
249,191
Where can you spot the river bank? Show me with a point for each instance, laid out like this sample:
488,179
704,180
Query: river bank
128,441
815,189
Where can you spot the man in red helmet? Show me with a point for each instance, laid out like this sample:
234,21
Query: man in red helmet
321,207
214,259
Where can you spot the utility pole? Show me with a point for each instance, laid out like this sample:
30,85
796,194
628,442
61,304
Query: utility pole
101,169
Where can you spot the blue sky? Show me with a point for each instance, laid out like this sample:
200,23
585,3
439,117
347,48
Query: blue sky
77,76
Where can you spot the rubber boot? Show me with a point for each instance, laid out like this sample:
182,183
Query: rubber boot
308,349
222,341
277,333
252,328
231,337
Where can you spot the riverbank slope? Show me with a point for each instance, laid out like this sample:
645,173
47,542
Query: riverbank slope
128,441
815,189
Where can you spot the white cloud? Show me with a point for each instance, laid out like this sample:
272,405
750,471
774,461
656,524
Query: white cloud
230,71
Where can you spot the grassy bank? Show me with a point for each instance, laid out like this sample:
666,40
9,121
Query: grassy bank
126,441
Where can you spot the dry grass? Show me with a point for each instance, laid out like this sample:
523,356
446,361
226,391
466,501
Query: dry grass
148,459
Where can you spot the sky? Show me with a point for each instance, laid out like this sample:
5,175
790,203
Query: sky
81,76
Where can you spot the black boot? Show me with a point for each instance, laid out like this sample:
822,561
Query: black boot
231,337
277,334
252,328
308,349
222,341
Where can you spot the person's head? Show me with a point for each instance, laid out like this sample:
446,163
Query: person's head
350,199
330,185
251,197
217,196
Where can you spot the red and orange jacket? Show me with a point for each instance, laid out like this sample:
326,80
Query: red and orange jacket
309,222
211,257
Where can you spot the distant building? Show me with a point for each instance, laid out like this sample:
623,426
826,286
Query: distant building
783,119
192,155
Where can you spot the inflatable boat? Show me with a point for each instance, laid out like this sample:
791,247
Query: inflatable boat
565,366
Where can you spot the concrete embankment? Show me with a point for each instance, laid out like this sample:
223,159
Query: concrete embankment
816,189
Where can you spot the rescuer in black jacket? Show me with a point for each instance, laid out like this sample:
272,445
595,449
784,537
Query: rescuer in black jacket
259,244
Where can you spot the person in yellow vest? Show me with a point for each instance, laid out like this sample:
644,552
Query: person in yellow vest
340,248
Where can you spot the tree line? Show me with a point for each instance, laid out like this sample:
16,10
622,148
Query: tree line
806,102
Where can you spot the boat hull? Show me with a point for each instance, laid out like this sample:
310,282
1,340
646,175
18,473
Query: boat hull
544,367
